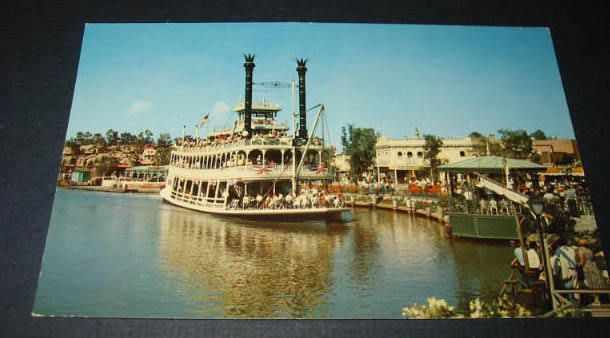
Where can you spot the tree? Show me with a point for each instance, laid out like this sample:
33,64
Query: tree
164,140
483,145
516,143
99,139
432,148
146,137
87,138
538,135
80,138
106,166
112,137
359,145
476,134
164,143
126,138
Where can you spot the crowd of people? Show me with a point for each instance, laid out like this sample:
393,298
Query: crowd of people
567,194
576,266
305,199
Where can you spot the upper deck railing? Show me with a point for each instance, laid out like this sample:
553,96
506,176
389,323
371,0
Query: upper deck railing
283,142
256,172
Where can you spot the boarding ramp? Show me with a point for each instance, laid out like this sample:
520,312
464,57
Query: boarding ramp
498,188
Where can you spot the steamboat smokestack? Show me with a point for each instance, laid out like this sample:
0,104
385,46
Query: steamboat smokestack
249,65
301,69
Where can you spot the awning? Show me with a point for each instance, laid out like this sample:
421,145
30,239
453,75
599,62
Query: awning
487,164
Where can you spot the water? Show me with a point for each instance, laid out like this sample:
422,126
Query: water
122,255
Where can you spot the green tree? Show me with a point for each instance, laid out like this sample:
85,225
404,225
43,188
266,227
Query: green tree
538,135
99,139
164,143
146,137
80,138
87,138
164,140
476,134
516,143
126,138
432,148
112,137
359,145
106,166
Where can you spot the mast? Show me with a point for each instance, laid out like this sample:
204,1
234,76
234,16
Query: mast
301,69
249,65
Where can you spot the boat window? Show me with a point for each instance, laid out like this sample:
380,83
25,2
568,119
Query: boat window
400,154
189,184
196,189
462,153
420,154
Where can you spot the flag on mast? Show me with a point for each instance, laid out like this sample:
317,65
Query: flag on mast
204,120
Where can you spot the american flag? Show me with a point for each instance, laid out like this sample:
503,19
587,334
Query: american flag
204,120
262,169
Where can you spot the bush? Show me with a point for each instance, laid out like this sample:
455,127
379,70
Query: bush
501,307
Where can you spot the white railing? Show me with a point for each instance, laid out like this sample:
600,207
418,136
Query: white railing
249,172
275,143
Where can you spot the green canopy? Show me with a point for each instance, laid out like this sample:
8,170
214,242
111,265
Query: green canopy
486,164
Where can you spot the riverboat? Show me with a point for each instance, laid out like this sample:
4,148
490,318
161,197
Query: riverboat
254,168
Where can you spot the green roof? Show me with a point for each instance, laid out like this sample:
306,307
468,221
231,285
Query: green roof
490,164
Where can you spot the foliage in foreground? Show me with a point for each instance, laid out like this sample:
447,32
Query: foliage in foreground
501,307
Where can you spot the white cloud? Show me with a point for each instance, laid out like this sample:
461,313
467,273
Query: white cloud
220,108
139,106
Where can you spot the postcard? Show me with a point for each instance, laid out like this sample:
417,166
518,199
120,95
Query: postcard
309,170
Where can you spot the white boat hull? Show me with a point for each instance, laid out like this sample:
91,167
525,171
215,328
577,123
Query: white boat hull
258,213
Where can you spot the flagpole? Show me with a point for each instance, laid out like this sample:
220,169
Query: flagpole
183,135
197,134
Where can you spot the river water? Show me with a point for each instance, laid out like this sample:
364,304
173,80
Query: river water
124,255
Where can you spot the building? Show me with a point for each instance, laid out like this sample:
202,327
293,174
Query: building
148,155
403,158
556,151
80,176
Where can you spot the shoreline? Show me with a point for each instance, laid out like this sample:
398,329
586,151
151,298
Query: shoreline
148,191
436,216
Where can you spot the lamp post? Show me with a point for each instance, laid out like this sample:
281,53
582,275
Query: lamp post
536,205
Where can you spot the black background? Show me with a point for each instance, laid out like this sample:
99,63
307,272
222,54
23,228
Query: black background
39,50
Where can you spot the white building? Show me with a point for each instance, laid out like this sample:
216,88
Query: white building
403,158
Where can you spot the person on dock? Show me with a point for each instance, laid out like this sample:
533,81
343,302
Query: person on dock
589,274
564,265
532,273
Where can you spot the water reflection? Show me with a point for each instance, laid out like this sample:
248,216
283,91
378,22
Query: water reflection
481,268
249,269
131,256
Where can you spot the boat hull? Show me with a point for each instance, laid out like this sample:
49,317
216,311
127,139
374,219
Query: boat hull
498,227
269,214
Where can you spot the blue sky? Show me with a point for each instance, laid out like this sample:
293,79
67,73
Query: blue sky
444,80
